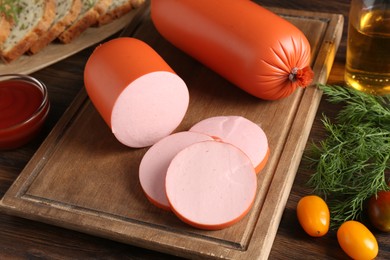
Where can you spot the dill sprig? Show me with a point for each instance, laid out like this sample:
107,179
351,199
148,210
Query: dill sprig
10,9
360,107
352,162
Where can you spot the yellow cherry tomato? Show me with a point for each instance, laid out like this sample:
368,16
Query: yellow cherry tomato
313,215
357,241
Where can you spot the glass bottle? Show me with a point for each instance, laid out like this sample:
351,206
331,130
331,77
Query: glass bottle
368,46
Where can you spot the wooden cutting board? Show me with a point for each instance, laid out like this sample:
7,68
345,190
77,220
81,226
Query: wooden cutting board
82,178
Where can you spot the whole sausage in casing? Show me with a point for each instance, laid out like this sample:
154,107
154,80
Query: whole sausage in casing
245,43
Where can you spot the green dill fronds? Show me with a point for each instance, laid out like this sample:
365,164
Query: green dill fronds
352,162
359,107
10,9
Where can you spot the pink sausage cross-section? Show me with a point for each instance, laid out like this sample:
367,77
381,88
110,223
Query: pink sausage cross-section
239,131
211,185
135,91
154,164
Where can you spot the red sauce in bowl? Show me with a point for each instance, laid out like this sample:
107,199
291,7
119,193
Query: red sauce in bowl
24,106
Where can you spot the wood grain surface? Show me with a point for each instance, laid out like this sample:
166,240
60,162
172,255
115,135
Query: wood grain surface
25,239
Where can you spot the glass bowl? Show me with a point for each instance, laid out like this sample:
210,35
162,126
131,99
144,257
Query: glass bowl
24,106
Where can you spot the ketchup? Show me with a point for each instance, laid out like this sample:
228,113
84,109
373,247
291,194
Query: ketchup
24,106
18,102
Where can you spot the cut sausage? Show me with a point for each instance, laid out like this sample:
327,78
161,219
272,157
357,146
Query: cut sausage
250,46
155,162
241,132
211,185
138,95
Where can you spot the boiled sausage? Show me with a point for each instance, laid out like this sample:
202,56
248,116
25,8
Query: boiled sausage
155,162
250,46
211,185
239,131
136,92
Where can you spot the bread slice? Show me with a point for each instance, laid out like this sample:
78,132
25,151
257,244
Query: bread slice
89,15
33,20
5,28
66,13
137,3
114,11
117,9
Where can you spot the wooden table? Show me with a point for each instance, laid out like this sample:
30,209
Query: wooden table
25,239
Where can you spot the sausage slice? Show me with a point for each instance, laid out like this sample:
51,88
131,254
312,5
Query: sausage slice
155,162
241,132
211,185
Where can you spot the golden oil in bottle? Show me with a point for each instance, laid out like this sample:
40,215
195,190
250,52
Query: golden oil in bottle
368,52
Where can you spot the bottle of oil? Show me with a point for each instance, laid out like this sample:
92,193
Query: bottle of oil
368,46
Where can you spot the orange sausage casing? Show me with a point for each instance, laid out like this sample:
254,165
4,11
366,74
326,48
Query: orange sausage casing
245,43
